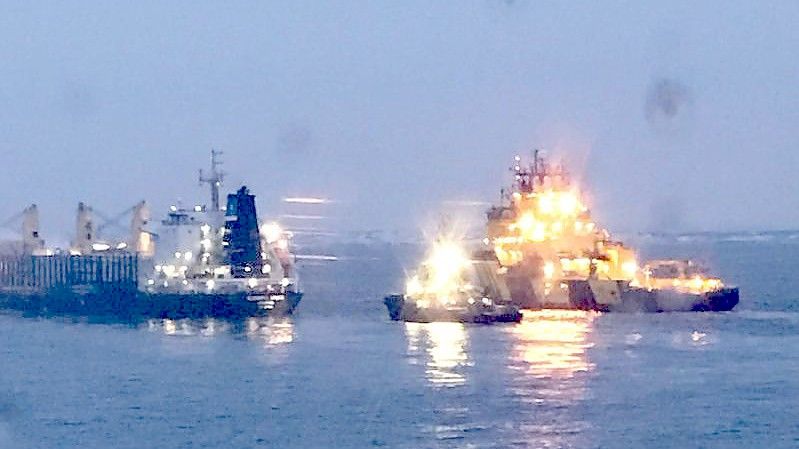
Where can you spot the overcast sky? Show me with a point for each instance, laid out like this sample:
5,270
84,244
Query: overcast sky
675,116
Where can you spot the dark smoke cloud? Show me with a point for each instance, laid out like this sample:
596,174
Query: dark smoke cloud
666,100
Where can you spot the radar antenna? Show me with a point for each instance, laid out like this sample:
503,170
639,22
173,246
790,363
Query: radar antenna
214,178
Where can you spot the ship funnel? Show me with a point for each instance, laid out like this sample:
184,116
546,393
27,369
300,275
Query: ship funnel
242,239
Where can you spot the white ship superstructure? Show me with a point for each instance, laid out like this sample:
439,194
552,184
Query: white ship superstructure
196,248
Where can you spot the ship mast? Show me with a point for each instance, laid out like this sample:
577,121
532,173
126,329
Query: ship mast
524,178
539,173
214,179
539,170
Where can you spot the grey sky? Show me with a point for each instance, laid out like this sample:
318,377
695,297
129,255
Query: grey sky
392,107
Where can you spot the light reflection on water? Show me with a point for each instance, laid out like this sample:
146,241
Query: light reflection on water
445,351
548,364
552,343
542,366
269,331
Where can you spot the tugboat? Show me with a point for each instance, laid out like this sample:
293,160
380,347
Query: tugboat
557,257
205,261
450,286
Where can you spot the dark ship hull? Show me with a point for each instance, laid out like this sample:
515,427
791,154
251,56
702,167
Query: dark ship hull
401,310
125,305
617,296
632,299
721,300
107,285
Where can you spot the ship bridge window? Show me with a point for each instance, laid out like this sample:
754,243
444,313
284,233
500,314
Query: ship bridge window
232,206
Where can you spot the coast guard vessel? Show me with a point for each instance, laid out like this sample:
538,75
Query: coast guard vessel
556,256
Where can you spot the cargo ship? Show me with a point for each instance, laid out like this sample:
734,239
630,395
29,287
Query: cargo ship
208,260
449,285
555,256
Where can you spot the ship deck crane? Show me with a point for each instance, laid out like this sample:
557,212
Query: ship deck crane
29,228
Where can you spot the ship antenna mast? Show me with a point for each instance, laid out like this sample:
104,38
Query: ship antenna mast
539,167
215,178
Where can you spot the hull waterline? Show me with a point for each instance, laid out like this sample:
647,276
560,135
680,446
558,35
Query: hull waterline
400,309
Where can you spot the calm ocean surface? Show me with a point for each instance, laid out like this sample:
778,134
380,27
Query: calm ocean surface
341,375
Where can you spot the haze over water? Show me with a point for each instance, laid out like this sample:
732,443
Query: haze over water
677,116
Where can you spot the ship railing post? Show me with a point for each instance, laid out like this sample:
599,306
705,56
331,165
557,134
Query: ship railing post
104,269
30,270
70,272
50,263
62,271
19,273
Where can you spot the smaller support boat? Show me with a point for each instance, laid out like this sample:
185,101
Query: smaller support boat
450,286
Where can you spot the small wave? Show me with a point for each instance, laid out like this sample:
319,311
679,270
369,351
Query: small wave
687,238
792,316
749,238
